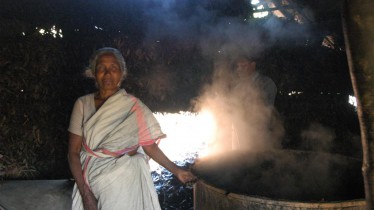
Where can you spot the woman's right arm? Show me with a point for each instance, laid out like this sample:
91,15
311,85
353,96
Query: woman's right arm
75,144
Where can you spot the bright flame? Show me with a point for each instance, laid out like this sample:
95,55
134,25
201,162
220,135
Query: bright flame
188,134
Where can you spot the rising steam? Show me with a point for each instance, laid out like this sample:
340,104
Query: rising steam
221,30
317,138
243,120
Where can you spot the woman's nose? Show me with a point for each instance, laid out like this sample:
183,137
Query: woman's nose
106,71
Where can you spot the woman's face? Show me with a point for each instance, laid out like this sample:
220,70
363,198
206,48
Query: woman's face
108,73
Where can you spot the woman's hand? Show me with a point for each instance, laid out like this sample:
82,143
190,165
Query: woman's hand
156,154
185,176
89,200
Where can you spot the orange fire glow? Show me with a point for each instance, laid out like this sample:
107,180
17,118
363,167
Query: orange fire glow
187,133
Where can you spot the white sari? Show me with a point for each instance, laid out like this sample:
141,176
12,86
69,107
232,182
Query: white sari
119,181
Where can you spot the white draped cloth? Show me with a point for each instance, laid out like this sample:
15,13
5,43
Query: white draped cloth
122,124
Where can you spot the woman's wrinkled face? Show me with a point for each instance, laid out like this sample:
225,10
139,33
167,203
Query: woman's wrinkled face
108,72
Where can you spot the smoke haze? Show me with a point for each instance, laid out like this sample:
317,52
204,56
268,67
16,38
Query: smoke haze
215,26
222,31
243,122
317,138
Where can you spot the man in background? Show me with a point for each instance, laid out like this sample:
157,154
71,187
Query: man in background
252,101
252,83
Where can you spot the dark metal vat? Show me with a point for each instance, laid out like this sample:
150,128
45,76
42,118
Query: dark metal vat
278,179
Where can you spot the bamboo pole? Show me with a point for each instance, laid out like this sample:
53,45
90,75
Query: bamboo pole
358,26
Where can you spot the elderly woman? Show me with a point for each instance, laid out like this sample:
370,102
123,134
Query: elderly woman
111,133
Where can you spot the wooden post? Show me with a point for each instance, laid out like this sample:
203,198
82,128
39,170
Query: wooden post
358,25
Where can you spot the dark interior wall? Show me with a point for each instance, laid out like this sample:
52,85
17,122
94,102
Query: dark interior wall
42,75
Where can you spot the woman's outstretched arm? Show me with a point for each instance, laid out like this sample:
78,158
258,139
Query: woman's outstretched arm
156,154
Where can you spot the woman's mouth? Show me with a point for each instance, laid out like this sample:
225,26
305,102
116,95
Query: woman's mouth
107,81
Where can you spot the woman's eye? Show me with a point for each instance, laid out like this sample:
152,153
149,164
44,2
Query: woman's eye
100,68
103,68
114,68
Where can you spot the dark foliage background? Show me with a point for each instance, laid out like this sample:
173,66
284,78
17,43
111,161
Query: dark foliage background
42,75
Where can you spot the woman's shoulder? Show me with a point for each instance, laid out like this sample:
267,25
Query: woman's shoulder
132,98
86,98
129,95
